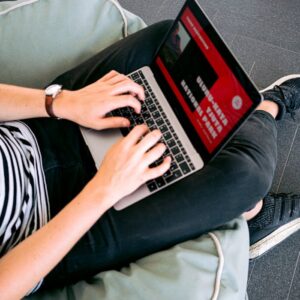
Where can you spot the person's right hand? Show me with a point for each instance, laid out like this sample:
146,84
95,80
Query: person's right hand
90,106
126,165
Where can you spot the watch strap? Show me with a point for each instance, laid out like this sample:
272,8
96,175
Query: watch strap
49,106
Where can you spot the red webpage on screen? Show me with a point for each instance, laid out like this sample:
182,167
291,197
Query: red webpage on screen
223,104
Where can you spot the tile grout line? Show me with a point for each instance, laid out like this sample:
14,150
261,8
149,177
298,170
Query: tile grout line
250,275
215,15
297,262
159,10
267,43
243,15
251,69
234,36
287,159
230,45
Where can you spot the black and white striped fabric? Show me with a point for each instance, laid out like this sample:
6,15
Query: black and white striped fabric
24,206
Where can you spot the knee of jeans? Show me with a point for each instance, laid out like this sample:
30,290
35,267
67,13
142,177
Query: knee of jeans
165,25
257,174
159,31
168,23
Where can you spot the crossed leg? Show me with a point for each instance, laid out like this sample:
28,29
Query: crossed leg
229,185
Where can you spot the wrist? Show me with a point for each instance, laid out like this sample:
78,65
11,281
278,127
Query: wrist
100,194
61,105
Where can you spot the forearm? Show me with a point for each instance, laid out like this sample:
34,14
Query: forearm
18,103
88,107
24,266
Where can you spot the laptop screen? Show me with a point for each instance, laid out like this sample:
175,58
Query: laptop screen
206,87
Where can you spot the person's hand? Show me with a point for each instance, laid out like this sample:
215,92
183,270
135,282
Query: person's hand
126,165
89,106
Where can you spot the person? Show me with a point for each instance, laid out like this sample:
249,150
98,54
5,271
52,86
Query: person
56,217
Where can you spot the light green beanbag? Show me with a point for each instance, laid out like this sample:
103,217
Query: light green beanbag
187,271
40,39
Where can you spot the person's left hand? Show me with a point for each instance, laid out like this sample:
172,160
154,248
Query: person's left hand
90,105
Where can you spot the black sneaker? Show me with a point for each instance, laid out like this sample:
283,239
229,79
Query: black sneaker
286,93
278,219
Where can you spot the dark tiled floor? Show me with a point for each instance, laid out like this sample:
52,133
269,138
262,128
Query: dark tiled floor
265,36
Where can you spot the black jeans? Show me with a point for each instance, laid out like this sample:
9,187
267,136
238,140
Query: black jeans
225,188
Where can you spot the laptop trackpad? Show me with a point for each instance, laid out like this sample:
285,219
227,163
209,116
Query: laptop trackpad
99,142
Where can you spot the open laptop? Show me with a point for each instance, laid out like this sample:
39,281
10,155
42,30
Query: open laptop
197,94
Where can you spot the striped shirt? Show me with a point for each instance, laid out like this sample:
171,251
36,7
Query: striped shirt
24,206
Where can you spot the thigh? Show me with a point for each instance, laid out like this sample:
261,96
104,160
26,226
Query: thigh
125,56
67,162
229,185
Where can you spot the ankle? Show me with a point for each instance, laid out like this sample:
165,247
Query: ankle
248,215
269,106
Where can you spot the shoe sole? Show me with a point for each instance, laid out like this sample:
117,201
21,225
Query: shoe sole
280,81
274,238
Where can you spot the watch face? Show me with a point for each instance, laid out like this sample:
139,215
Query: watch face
53,89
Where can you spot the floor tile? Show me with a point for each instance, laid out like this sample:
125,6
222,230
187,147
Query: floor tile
286,134
270,31
271,62
273,273
148,10
153,11
281,13
290,181
169,9
251,268
251,8
240,51
294,292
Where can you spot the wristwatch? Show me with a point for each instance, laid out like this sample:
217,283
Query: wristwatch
51,92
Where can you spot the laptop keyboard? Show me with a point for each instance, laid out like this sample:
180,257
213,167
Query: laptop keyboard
153,115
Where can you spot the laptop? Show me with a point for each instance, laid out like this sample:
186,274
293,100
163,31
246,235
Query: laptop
197,94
